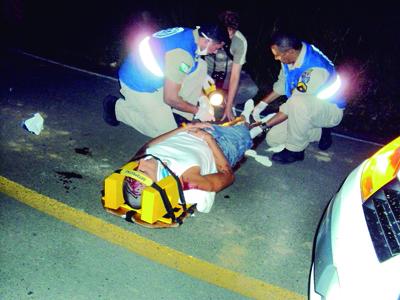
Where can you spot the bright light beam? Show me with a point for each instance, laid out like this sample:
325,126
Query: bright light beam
148,58
330,90
216,99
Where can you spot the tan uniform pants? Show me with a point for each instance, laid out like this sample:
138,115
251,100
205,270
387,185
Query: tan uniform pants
306,116
148,113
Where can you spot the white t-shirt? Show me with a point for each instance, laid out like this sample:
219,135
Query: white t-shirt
181,152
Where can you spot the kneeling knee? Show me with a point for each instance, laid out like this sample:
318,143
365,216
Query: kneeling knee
273,140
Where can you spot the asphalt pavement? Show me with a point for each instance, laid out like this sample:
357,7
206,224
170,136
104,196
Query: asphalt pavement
260,229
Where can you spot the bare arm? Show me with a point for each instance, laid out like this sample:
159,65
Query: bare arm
278,118
278,88
172,98
233,86
272,96
211,182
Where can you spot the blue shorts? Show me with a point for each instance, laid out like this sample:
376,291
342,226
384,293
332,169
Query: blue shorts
233,141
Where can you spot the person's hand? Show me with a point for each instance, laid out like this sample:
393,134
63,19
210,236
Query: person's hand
204,115
201,134
199,125
228,114
206,110
258,109
208,82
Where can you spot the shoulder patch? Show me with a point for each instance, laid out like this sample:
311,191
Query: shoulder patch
167,32
305,76
304,79
301,87
184,68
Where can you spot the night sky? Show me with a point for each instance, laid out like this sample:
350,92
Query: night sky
361,39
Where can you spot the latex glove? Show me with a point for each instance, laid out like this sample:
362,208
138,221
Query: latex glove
258,109
206,110
208,82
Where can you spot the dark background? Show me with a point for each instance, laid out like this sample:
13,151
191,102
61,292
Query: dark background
363,41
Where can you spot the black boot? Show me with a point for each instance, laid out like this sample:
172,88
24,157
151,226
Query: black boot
286,156
326,139
109,110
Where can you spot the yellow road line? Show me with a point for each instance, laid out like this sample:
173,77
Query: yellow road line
169,257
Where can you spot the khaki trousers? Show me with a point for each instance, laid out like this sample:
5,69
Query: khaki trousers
306,116
149,114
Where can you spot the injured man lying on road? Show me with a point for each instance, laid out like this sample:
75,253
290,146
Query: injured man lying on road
202,155
180,171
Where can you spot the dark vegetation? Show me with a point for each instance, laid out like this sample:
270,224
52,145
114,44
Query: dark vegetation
362,40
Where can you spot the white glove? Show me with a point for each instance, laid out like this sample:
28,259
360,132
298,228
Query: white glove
258,109
206,110
208,82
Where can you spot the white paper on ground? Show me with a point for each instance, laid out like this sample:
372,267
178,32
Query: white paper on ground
250,153
262,159
35,124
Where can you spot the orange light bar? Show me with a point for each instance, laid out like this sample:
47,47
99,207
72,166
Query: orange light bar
381,168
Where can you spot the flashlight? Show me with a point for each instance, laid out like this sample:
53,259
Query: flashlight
215,96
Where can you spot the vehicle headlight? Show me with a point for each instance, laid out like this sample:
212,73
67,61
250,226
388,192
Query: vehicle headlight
380,191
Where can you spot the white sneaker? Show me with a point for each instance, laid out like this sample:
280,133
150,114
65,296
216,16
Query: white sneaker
261,159
248,109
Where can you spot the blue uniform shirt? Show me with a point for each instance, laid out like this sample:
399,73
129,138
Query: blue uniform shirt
138,77
313,58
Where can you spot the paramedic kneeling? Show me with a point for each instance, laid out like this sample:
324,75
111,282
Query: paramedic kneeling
311,84
161,82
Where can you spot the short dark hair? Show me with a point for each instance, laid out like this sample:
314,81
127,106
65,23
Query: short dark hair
285,41
215,32
229,18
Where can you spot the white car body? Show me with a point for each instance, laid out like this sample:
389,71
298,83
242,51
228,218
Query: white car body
346,265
